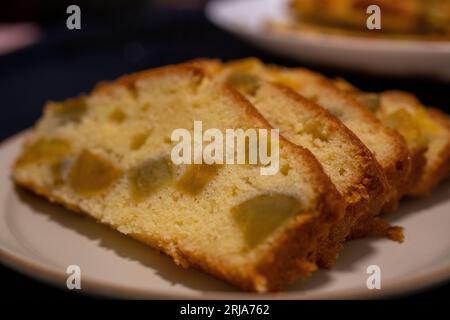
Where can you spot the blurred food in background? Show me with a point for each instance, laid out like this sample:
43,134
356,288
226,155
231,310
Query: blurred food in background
414,40
429,19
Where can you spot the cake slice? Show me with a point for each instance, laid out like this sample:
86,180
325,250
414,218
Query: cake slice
426,131
388,146
349,164
419,126
108,155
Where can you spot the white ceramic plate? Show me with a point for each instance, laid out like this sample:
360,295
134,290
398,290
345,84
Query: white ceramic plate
247,18
42,239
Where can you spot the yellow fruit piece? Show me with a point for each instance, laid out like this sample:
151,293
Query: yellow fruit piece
44,150
426,123
258,217
117,116
406,124
288,80
91,174
285,169
246,83
246,65
196,177
138,140
410,118
149,177
316,130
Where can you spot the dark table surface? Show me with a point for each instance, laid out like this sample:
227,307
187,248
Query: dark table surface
65,63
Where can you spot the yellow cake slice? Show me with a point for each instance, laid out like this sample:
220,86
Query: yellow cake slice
426,131
419,125
349,164
108,155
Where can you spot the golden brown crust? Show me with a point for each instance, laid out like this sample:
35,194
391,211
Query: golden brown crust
292,254
378,227
130,80
397,170
418,163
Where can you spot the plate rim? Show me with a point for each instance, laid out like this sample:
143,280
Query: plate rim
38,270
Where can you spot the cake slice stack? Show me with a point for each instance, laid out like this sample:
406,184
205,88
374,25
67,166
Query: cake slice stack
108,155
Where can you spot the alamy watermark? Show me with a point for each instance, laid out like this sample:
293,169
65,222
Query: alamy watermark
234,146
73,281
73,21
374,280
374,20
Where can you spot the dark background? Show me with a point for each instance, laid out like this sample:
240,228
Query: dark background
119,37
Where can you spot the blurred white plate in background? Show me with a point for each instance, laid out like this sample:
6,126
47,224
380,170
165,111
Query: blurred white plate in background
248,18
